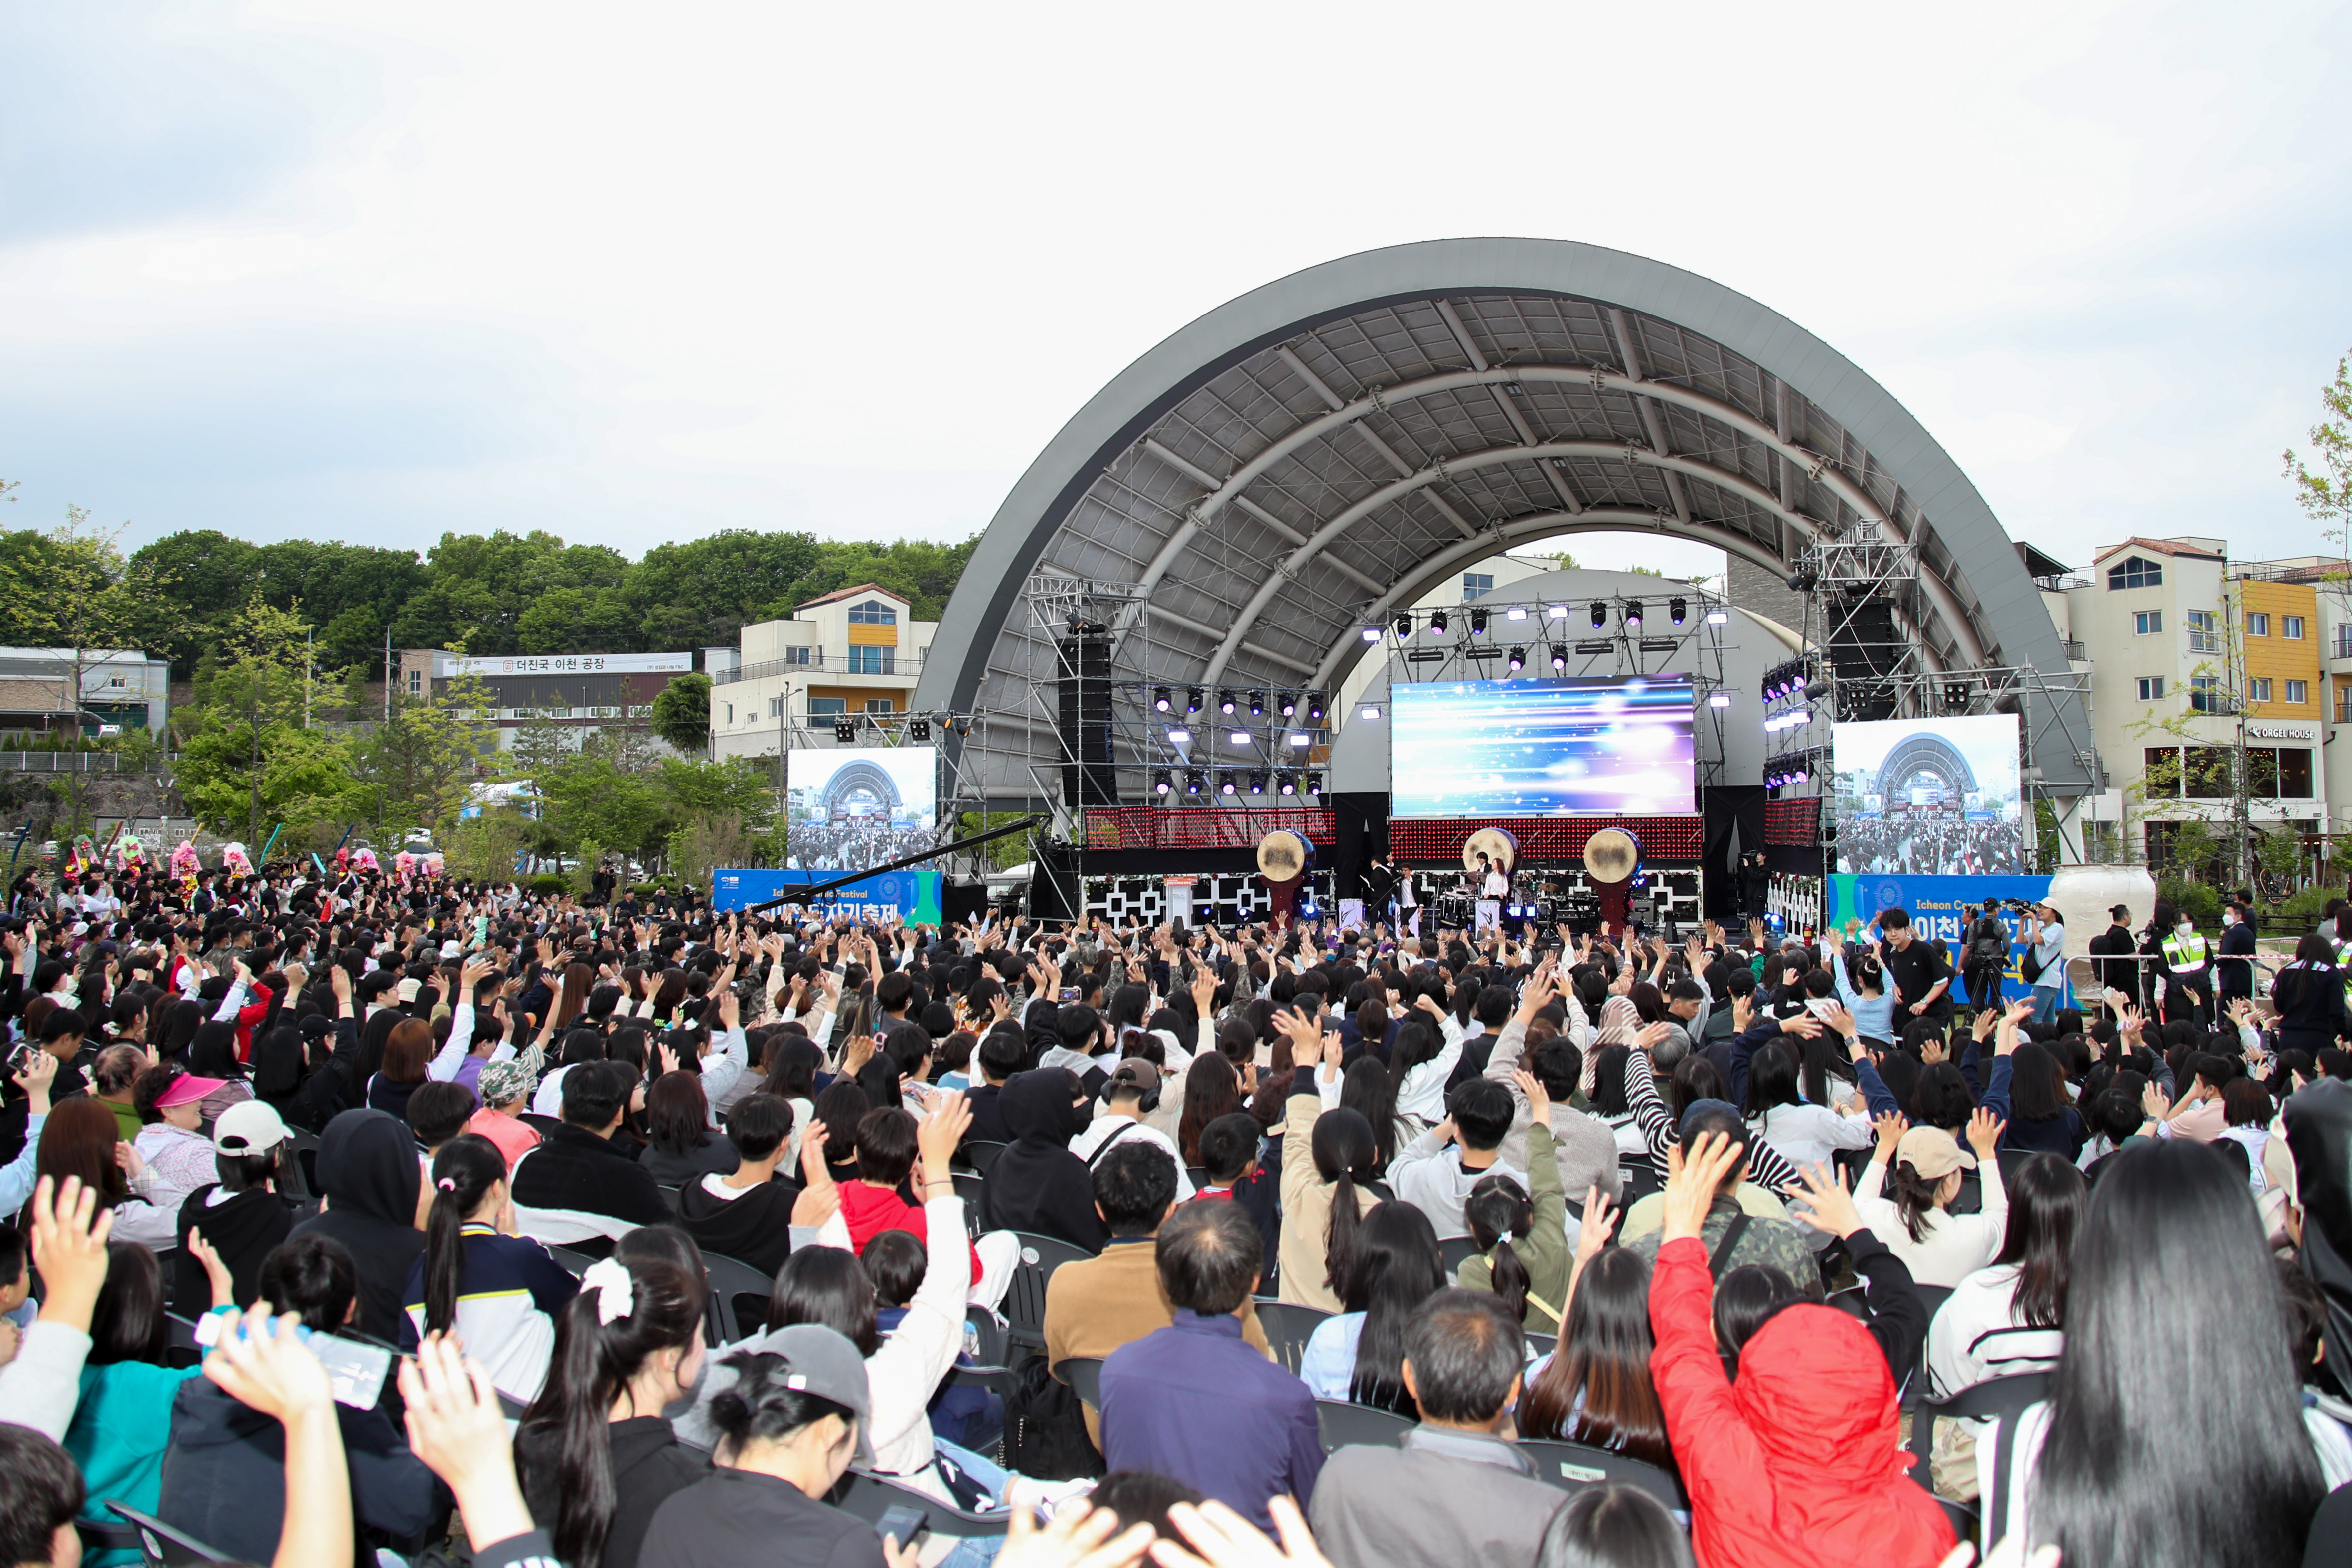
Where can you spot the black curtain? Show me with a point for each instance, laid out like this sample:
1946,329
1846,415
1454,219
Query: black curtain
1722,809
1360,835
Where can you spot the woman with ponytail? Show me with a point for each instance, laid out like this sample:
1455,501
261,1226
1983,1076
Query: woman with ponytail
1330,1159
498,1290
1359,1355
595,1455
1523,1251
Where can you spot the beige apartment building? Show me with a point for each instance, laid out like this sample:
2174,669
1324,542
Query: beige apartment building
853,653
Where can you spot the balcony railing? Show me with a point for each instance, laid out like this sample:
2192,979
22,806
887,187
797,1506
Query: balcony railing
2204,642
2341,647
897,665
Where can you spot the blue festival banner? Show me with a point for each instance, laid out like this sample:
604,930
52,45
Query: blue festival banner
910,896
1938,907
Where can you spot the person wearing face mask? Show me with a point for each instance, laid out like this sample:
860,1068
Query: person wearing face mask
2233,967
2045,934
2188,972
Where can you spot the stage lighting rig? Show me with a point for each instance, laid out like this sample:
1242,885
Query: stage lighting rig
1192,696
1257,704
1677,609
1558,660
1195,780
1160,781
1225,701
1478,622
1285,703
1437,623
1600,615
918,729
844,730
1162,700
1314,701
1632,614
1519,659
1404,628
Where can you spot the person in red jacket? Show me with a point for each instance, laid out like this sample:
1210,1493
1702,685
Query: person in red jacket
888,1139
1797,1464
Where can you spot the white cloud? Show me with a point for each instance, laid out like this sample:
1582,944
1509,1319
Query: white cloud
378,271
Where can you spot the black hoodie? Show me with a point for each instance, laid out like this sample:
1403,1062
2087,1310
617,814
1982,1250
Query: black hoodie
369,1175
2319,1134
1037,1185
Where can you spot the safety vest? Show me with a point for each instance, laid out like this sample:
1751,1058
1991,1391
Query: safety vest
2185,956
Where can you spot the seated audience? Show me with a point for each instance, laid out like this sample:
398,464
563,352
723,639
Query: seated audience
1919,1171
1437,1179
242,1215
496,1291
746,1214
1392,1265
576,1183
1037,1185
1734,1236
369,1179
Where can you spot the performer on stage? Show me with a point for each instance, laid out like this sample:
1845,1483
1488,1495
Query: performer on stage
1493,888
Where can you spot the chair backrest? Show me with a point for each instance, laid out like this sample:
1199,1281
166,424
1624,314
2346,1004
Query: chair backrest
1539,1345
1287,1327
182,1349
2013,1161
299,1171
1999,1398
739,1295
1572,1467
1025,1299
571,1259
967,1185
159,1544
1084,1375
1346,1425
980,1153
1457,1251
985,1338
2330,1540
869,1497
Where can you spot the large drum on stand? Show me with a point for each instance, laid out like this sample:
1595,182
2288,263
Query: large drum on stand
1283,858
1496,844
1613,858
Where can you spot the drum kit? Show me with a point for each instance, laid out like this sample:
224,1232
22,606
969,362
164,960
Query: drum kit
1612,860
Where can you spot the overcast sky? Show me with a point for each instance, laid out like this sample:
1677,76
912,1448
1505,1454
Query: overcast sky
634,273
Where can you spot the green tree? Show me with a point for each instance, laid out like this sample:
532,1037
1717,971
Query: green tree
701,592
71,588
682,713
577,620
249,756
2325,492
417,767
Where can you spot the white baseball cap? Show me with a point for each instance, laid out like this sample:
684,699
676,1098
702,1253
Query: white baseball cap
248,1126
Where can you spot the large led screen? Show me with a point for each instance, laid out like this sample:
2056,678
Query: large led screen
855,807
1540,748
1928,797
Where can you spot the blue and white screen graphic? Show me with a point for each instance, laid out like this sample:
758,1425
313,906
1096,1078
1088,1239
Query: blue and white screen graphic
1541,748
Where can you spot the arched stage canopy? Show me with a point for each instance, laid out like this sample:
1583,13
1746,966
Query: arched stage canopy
1281,472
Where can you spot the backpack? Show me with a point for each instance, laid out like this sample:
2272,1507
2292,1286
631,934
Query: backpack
1990,950
1046,1426
2029,966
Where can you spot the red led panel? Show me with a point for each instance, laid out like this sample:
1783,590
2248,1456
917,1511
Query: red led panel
1544,840
1200,827
1793,824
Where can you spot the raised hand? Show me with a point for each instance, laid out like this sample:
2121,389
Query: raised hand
1692,1179
1984,1132
1830,1205
1891,1128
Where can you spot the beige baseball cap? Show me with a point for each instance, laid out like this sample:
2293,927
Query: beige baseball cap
1933,1152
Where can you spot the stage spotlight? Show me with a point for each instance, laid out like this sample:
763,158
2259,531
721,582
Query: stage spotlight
1178,736
1160,782
1804,582
1718,699
1632,613
1516,612
1314,784
1257,704
1193,700
1225,700
1239,738
1717,617
1196,782
1956,696
1437,623
1285,703
1478,622
1369,710
1286,785
1300,740
1797,777
1371,634
1558,658
1225,785
1314,701
1557,612
844,730
1403,628
1257,782
1518,660
1600,615
1676,609
1161,700
918,729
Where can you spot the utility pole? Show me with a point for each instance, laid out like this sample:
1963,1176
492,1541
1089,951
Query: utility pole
306,678
387,675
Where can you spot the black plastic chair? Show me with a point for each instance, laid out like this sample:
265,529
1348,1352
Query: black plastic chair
739,1295
1198,1175
158,1544
967,1185
1540,1345
2013,1161
1999,1398
1572,1467
572,1261
869,1497
1345,1424
1457,1251
1084,1375
181,1348
979,1155
1288,1327
301,1171
1024,1298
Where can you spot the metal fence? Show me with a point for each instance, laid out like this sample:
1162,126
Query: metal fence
74,762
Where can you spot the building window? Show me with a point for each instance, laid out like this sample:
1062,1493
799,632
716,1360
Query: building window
1476,583
730,713
2258,622
873,660
880,705
801,655
2258,688
2160,773
775,707
2343,648
2204,632
2137,573
2291,627
827,707
2204,694
2205,774
2147,621
873,612
415,682
2295,772
2298,693
2151,688
641,710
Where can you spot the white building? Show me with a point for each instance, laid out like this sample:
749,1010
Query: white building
853,652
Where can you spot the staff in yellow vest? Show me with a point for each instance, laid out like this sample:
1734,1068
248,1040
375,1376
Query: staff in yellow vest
2187,974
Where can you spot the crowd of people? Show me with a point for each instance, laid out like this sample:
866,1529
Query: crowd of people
853,846
1930,843
355,1214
